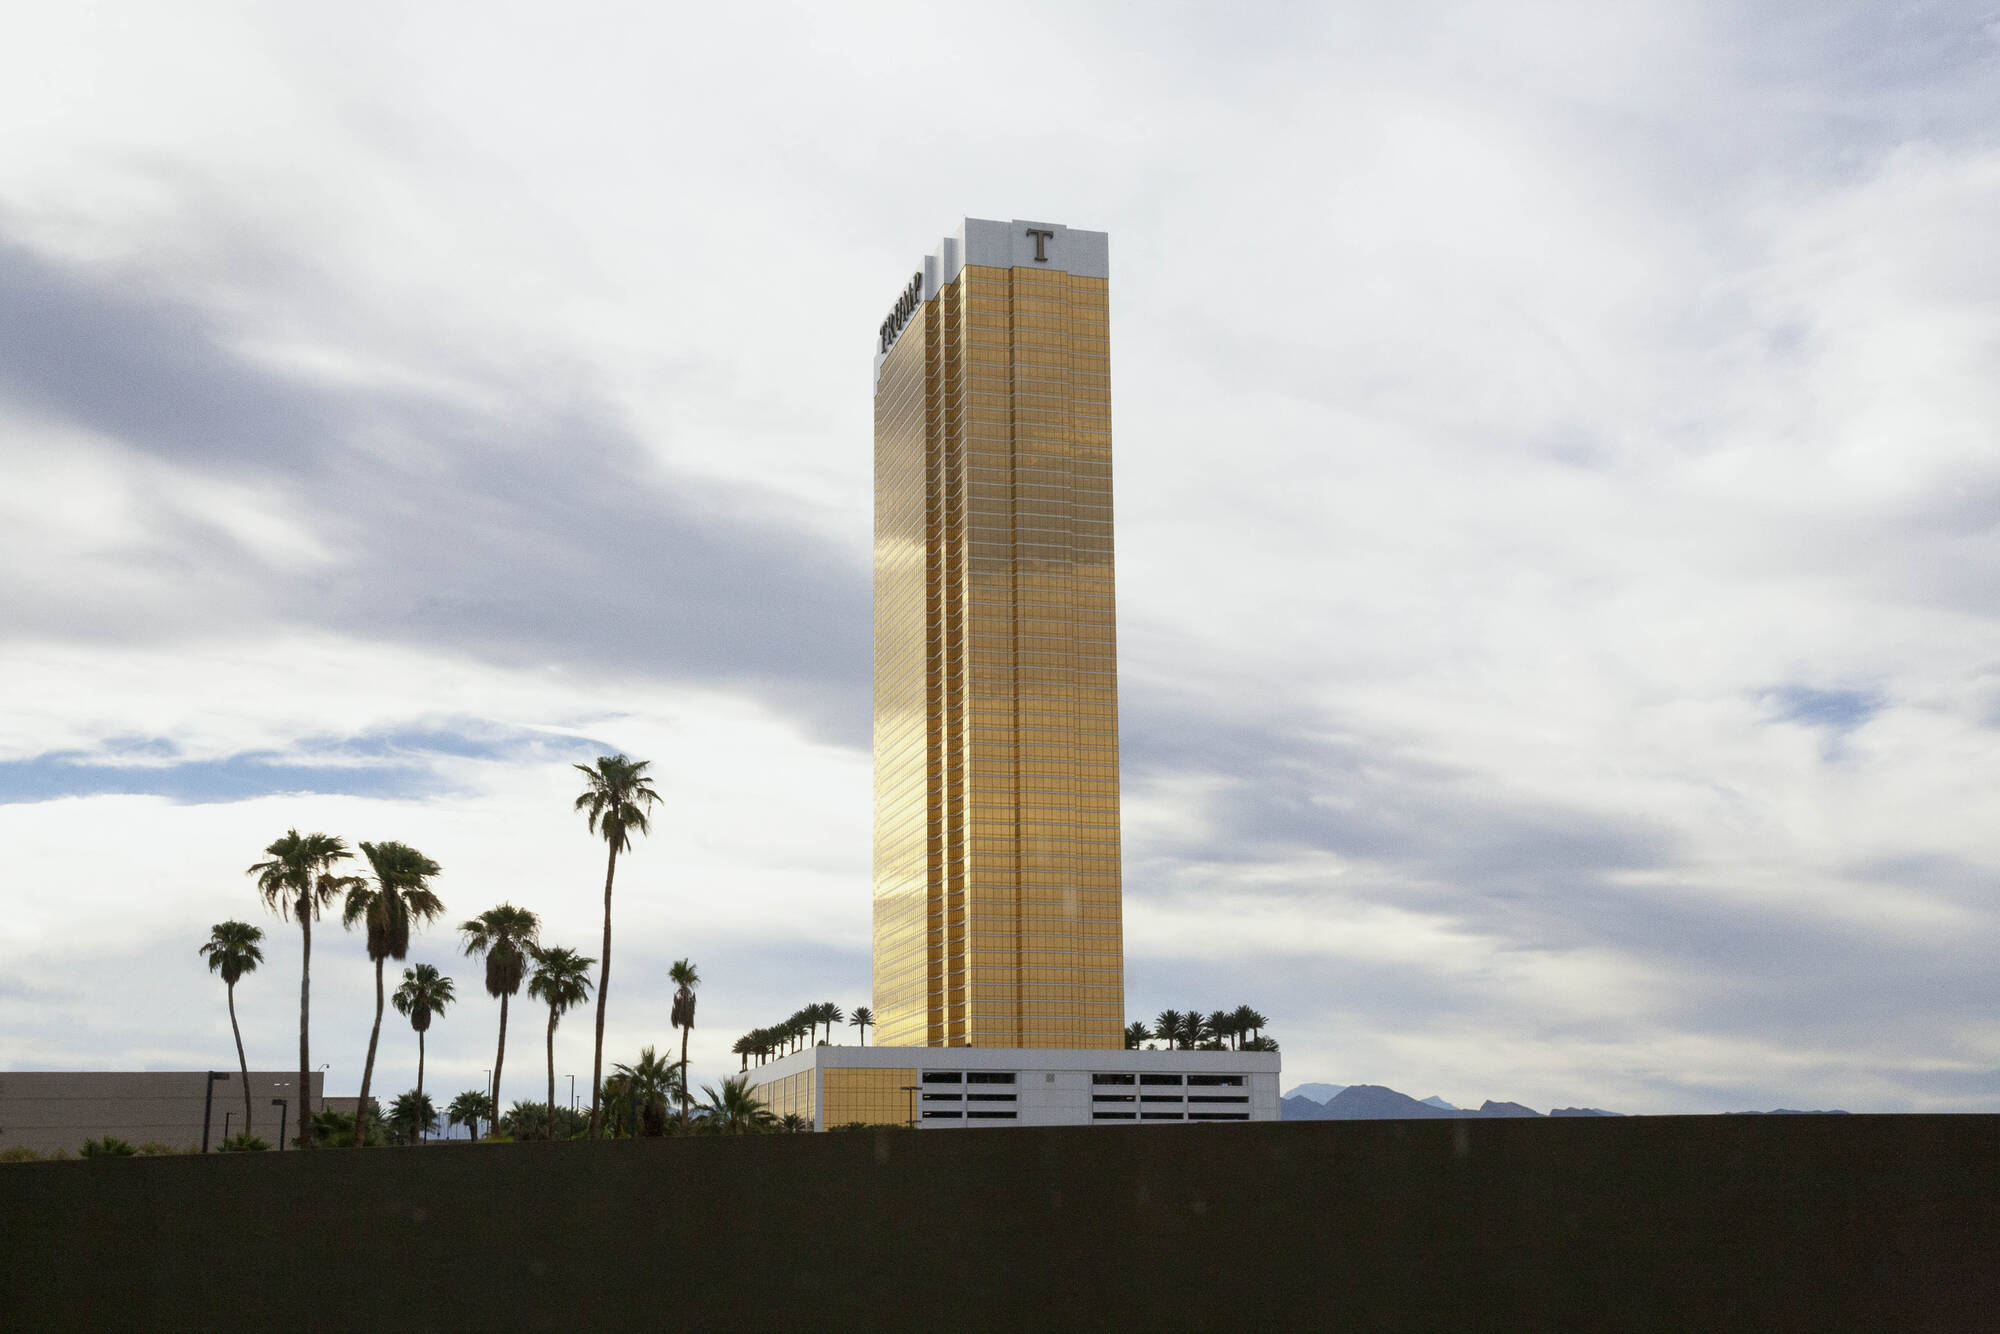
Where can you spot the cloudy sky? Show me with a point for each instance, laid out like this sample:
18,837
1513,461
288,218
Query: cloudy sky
1558,502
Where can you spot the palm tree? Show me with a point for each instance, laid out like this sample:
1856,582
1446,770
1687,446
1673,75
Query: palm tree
743,1048
655,1083
469,1108
1136,1035
685,980
792,1123
411,1117
830,1014
505,935
1167,1027
298,881
562,978
1193,1029
862,1018
232,951
733,1110
617,794
1221,1025
400,893
621,1116
425,993
1251,1022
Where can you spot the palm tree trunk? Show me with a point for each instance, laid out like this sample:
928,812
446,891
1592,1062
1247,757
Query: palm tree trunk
684,1077
864,1033
500,1056
552,1074
603,987
368,1068
304,1098
239,1057
421,1133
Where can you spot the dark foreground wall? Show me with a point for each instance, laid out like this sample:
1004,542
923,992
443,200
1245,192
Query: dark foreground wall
1697,1223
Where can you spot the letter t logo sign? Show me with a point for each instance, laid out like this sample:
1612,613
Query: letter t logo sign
1042,239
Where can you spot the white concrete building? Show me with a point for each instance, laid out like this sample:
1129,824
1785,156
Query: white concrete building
948,1088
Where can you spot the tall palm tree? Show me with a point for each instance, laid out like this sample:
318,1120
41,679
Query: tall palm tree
617,796
505,935
424,994
232,951
743,1048
397,893
862,1018
298,881
562,979
1251,1022
469,1108
1167,1027
1136,1035
830,1014
734,1110
655,1083
685,979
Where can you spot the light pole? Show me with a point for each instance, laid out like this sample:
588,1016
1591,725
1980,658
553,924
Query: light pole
208,1106
225,1126
572,1093
911,1089
284,1109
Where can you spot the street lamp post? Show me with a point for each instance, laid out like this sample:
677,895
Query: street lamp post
284,1110
208,1105
572,1093
911,1089
225,1126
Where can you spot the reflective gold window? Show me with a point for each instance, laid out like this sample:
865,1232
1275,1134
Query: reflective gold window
997,919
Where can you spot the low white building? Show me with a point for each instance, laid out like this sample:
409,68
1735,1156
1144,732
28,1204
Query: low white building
942,1088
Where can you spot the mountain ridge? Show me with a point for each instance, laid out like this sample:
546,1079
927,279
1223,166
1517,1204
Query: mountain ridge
1378,1102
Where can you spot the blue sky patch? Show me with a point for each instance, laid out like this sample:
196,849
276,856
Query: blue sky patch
233,778
1838,710
397,763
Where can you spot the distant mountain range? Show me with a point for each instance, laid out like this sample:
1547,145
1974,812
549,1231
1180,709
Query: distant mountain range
1373,1102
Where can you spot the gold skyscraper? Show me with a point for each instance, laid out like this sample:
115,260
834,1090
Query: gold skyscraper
997,913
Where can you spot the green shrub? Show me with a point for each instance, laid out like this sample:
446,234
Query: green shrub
336,1129
246,1143
152,1148
850,1126
530,1120
20,1153
108,1147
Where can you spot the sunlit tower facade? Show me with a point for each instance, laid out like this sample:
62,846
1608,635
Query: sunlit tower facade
997,919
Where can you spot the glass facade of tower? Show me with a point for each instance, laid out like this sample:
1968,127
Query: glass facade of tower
997,889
